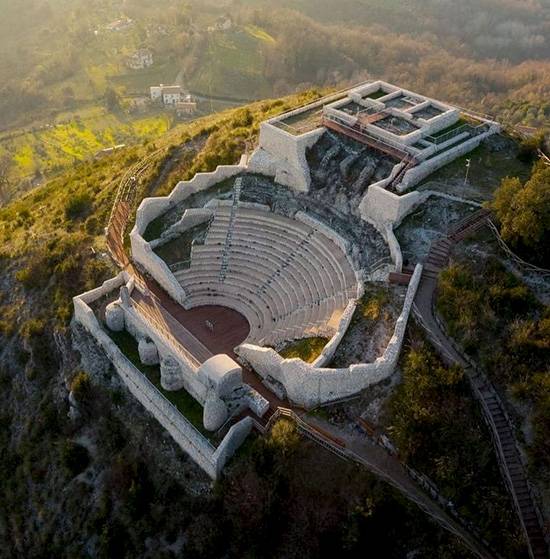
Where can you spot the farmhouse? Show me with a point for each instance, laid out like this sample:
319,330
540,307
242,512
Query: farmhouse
168,95
186,107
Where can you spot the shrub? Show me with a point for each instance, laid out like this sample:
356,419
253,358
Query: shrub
36,274
78,207
81,386
307,349
93,227
523,212
74,457
528,147
32,328
284,437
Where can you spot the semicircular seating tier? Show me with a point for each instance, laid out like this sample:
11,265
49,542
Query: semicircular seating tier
288,279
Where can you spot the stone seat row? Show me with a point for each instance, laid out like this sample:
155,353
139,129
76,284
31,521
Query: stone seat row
287,278
277,304
298,324
244,233
264,266
298,282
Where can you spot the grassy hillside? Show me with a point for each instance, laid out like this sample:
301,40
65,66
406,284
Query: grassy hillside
88,485
73,137
77,203
58,59
232,63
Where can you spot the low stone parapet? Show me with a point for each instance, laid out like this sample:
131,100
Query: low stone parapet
309,385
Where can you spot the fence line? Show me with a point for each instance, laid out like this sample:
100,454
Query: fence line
122,206
474,542
522,263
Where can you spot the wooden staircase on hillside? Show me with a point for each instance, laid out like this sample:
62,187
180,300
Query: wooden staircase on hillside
508,456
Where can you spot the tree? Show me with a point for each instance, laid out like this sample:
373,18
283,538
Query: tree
112,99
529,147
524,213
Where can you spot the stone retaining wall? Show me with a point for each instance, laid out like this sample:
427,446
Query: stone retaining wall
308,386
191,441
282,155
330,349
145,256
440,122
231,443
416,174
327,231
380,206
191,218
385,210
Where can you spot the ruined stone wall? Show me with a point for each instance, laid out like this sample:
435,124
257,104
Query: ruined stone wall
183,432
282,156
327,231
145,256
191,441
107,287
231,443
385,210
330,349
381,207
203,181
439,122
151,208
308,386
416,174
191,218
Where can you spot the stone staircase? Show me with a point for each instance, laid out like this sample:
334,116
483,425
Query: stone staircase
407,164
227,245
438,256
510,463
303,242
508,456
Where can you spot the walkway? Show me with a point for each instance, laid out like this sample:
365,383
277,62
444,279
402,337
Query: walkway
359,449
502,432
185,328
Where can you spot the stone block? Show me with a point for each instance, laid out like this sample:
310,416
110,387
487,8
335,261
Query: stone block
214,413
114,317
148,352
171,375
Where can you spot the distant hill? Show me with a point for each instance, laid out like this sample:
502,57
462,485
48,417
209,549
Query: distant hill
59,58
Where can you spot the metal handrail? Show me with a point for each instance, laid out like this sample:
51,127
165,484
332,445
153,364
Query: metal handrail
502,243
194,362
361,130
